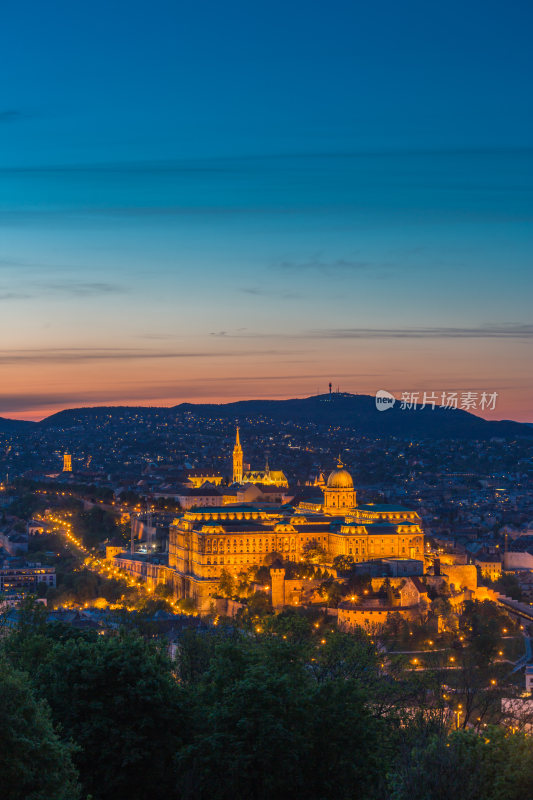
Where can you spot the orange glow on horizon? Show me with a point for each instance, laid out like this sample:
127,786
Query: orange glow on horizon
293,369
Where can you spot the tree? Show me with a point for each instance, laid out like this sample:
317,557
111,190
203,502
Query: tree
259,604
226,584
332,591
483,623
117,699
314,553
95,525
292,625
346,656
196,649
343,563
492,766
244,580
130,498
260,701
34,763
26,505
357,584
262,575
508,584
388,591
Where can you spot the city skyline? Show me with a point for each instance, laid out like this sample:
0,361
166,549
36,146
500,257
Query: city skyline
217,206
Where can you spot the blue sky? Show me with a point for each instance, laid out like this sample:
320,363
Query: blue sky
216,200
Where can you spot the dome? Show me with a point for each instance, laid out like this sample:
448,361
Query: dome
340,478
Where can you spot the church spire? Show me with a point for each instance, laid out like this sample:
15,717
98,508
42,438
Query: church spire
237,459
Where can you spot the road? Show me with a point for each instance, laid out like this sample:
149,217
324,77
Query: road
525,658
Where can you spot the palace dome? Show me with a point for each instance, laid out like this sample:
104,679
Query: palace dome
340,478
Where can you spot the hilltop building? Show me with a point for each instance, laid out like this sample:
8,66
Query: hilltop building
266,476
67,462
205,541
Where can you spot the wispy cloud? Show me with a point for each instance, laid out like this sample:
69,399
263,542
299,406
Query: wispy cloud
18,263
69,288
510,331
257,291
328,266
82,289
11,115
236,332
14,296
158,337
79,355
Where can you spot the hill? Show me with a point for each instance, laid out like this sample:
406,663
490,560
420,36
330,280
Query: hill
12,425
336,410
359,411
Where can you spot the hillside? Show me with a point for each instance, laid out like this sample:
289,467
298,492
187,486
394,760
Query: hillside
12,425
337,410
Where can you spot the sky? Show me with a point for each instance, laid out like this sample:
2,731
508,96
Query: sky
206,201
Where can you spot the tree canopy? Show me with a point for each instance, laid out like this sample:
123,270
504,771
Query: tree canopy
284,706
35,764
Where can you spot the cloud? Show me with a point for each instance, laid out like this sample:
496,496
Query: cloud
78,355
259,292
69,288
509,331
203,389
319,265
14,296
157,336
82,289
17,263
26,216
75,355
11,115
236,332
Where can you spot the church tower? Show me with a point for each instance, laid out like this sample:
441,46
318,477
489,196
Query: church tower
237,459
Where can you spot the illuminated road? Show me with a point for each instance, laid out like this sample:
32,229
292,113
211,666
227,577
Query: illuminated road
98,565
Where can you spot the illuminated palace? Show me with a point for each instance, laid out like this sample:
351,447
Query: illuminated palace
205,541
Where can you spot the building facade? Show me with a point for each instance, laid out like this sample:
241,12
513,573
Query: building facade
26,578
205,541
265,477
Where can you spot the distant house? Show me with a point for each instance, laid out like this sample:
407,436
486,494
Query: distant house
198,477
206,495
490,566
